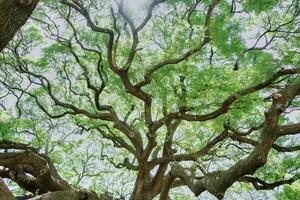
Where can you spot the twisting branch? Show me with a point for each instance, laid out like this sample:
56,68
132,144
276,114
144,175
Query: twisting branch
275,34
225,105
76,5
192,156
262,185
185,56
219,181
45,177
245,140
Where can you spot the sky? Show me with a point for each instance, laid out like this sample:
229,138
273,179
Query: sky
135,5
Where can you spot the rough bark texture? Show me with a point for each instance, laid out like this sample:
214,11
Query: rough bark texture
13,15
68,195
43,181
5,194
46,178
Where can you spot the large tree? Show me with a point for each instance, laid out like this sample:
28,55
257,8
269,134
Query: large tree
140,103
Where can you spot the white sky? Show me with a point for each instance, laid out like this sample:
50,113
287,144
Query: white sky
135,5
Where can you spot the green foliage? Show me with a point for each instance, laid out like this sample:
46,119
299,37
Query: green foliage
290,192
226,35
6,125
259,6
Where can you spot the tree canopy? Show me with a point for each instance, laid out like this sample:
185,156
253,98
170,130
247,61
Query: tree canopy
152,99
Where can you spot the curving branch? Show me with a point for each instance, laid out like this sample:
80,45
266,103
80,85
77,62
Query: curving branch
262,185
45,176
277,147
184,56
191,156
219,181
225,105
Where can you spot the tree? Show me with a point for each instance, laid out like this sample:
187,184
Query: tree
13,15
194,94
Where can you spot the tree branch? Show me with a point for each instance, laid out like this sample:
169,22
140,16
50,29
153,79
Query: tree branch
262,185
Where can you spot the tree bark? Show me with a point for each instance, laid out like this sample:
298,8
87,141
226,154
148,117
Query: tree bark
5,194
68,195
13,15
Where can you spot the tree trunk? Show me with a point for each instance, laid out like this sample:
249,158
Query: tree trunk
13,15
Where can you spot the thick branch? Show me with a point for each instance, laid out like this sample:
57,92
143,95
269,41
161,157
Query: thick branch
13,15
68,195
291,129
218,182
39,166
